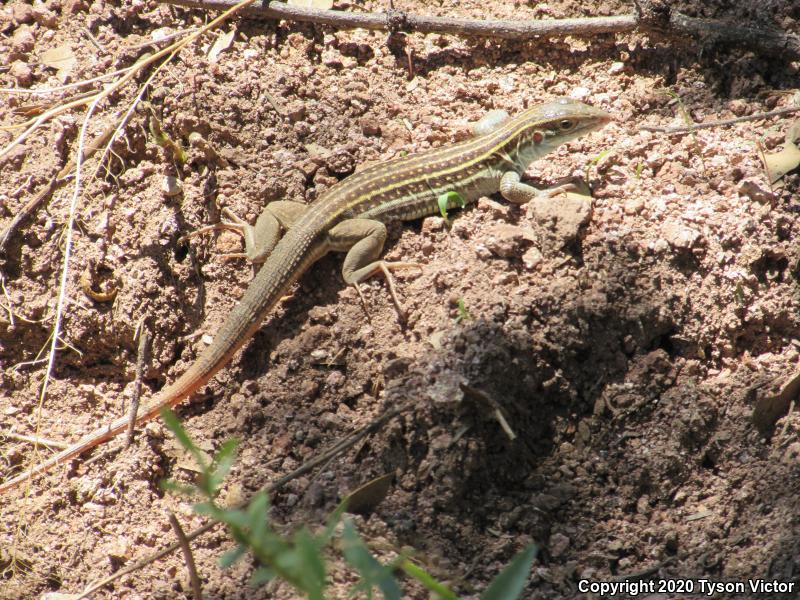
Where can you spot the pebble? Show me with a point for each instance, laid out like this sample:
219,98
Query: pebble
532,257
616,68
22,73
679,236
22,13
504,240
558,544
370,126
22,40
755,189
44,17
634,206
296,111
171,186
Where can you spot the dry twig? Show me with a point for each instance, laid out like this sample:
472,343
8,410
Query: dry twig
141,362
723,122
651,17
197,590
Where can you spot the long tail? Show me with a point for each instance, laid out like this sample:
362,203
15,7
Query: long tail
290,259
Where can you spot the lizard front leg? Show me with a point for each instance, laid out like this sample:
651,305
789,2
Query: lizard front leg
363,240
513,190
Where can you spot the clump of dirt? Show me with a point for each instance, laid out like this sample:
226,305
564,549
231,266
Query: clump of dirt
578,375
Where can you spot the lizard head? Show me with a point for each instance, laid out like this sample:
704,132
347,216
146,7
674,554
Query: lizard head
564,119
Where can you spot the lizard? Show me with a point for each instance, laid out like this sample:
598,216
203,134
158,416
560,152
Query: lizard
351,217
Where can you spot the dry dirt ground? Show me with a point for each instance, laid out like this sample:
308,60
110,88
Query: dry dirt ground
626,341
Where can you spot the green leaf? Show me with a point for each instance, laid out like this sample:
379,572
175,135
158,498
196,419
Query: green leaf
232,555
262,576
174,425
373,573
257,515
509,584
312,564
597,158
463,313
223,462
449,199
427,580
170,485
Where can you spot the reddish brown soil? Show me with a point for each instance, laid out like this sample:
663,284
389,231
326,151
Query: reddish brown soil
627,343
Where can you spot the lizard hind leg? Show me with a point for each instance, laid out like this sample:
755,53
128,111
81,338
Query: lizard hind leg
363,241
261,238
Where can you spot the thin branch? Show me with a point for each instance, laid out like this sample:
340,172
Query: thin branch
68,86
18,437
141,363
183,542
722,123
654,20
400,21
337,449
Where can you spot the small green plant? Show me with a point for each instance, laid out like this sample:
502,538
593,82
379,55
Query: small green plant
452,199
463,313
639,169
163,140
592,162
299,559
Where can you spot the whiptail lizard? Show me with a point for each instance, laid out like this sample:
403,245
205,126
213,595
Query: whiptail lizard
350,217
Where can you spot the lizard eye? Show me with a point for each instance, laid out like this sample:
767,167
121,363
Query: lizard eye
567,124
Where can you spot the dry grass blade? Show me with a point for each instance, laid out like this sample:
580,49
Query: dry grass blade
127,76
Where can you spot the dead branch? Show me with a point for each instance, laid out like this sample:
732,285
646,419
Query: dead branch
652,17
723,123
401,21
188,557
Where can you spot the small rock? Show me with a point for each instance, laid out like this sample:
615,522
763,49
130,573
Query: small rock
22,13
370,126
564,214
308,168
171,186
558,544
44,17
791,456
22,41
462,230
679,236
319,354
431,224
73,7
532,257
616,68
340,162
580,93
738,107
634,206
752,188
506,240
22,73
496,209
332,58
296,111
